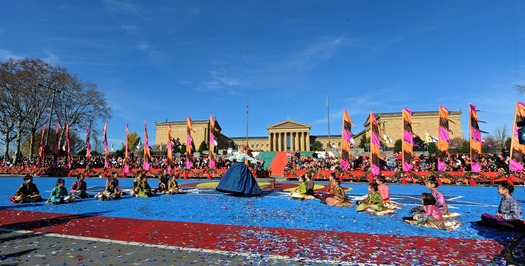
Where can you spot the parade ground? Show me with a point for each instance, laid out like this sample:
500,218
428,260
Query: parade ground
205,227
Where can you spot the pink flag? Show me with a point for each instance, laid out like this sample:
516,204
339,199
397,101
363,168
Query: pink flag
106,149
88,144
126,152
68,148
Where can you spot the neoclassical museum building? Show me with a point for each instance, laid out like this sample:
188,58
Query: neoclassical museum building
291,135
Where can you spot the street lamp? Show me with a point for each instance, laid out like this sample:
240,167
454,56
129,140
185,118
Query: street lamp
55,91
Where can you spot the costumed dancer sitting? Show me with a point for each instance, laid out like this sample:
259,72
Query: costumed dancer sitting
163,182
432,184
338,199
239,179
384,191
301,191
141,188
373,203
173,186
509,213
310,185
59,194
27,192
79,187
329,192
431,215
111,191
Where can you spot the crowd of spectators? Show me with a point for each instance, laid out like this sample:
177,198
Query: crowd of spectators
296,161
157,162
393,162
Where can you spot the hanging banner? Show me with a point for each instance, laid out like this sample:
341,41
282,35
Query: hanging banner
517,150
147,152
169,149
375,145
189,148
106,148
213,142
408,141
126,152
443,138
346,141
88,145
475,140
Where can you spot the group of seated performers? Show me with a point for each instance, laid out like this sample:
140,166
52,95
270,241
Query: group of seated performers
433,212
28,191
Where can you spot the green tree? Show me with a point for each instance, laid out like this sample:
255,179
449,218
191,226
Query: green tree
432,148
465,148
133,141
419,144
507,144
203,147
317,146
398,145
363,142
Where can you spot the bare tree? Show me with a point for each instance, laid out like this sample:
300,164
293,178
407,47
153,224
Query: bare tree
27,95
501,135
521,88
81,104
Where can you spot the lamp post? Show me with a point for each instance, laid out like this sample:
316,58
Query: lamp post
55,91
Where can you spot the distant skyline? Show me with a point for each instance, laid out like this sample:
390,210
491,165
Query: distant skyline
165,60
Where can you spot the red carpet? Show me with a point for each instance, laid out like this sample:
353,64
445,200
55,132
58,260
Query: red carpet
279,162
306,244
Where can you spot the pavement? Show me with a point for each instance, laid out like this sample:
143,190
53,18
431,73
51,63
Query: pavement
29,248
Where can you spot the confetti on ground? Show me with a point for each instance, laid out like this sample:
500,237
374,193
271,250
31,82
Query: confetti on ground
203,222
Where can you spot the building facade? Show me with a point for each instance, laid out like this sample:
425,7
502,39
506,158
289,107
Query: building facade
291,135
423,123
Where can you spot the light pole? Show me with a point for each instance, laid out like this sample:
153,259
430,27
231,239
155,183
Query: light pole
55,91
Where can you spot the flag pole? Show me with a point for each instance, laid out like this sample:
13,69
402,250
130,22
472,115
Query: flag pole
328,116
246,123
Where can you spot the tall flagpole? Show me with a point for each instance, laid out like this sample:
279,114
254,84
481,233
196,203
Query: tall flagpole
246,123
328,115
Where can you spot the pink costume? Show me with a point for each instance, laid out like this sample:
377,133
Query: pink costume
384,191
433,212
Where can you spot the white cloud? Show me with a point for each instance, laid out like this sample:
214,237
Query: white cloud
316,53
123,7
5,54
143,46
221,81
51,58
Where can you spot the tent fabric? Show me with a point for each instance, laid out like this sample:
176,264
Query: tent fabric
239,180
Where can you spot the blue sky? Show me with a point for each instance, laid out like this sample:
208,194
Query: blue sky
158,60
